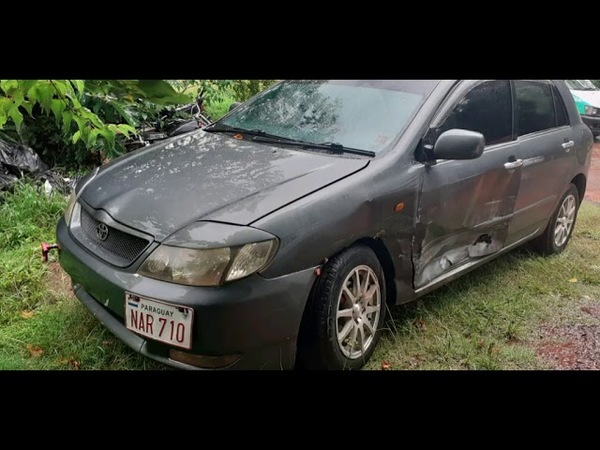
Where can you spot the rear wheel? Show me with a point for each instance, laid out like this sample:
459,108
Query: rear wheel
342,325
561,225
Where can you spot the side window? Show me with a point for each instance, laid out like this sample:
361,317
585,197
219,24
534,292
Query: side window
534,106
559,108
487,109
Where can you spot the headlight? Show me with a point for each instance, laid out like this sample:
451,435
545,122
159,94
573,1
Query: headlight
590,110
207,267
70,206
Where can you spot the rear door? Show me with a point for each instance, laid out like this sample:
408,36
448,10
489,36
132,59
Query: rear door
466,206
548,145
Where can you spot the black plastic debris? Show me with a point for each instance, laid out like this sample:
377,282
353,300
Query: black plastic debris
6,179
52,180
18,160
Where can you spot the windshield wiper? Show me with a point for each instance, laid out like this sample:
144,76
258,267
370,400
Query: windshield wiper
262,136
336,146
255,132
333,146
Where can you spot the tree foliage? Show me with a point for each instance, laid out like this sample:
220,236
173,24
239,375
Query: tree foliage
216,90
96,113
77,122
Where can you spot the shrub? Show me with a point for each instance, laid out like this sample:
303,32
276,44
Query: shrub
78,123
71,121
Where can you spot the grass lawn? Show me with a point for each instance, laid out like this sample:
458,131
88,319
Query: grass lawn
519,312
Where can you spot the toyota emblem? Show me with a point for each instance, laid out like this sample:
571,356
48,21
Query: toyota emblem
102,232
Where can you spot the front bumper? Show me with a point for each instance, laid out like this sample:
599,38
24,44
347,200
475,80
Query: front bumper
256,317
593,122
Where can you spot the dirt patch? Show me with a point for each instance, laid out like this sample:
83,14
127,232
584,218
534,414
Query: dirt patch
58,282
592,310
576,346
571,347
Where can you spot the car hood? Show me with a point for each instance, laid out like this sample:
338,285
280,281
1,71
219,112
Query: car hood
206,176
591,98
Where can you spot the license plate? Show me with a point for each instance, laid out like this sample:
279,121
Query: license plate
171,324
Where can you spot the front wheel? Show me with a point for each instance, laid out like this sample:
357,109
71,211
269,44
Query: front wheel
343,322
561,225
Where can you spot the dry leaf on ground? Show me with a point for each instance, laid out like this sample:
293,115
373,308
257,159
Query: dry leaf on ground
34,351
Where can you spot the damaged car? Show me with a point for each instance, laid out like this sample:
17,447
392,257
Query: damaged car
278,236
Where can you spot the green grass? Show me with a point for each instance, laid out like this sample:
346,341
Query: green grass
37,312
488,319
218,108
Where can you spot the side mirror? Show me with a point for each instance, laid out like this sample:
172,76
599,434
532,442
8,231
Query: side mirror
459,144
234,105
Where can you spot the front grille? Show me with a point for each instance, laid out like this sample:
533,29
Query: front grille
119,243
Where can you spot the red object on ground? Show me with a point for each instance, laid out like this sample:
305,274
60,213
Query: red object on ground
593,185
46,249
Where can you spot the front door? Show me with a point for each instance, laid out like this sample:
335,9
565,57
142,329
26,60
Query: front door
466,206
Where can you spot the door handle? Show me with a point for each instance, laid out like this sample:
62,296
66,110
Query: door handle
513,164
567,146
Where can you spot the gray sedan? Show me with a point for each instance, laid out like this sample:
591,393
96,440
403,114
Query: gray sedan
276,237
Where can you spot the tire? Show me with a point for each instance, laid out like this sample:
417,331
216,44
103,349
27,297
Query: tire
319,347
552,241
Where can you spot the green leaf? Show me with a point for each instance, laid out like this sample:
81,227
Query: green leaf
5,104
85,136
76,136
126,129
26,85
75,100
93,118
45,92
109,136
122,112
67,117
18,97
79,85
79,121
92,86
8,86
61,87
16,116
28,106
160,91
58,107
3,119
93,137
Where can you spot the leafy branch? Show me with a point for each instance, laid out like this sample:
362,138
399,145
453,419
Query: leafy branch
65,99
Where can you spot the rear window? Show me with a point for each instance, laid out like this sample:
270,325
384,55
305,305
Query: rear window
560,109
534,106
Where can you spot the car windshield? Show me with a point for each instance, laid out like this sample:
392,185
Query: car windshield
581,85
360,114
